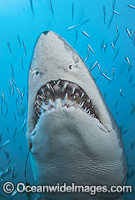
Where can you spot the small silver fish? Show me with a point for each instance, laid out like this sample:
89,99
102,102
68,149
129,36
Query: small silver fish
18,112
13,82
52,8
133,108
22,126
9,48
99,68
20,147
127,59
6,111
24,48
104,10
130,79
105,46
113,71
19,92
134,41
7,129
84,22
114,3
7,171
72,11
132,144
112,46
11,86
94,65
14,134
102,44
1,109
114,11
116,103
14,193
9,90
12,70
117,28
87,55
133,85
131,6
76,36
121,127
125,131
132,32
19,40
116,54
121,92
116,39
6,154
31,5
22,63
110,20
4,144
3,97
106,76
86,34
72,27
128,32
14,116
90,48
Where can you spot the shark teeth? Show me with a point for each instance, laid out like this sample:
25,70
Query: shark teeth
58,82
65,93
64,86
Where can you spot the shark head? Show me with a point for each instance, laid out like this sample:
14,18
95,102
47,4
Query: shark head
71,132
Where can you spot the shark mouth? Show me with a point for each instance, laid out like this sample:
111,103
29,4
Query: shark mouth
69,93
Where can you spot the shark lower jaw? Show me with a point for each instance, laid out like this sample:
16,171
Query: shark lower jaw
65,93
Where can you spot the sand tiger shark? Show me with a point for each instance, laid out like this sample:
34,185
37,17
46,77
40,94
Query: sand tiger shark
72,134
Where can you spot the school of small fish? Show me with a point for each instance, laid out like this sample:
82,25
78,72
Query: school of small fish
16,93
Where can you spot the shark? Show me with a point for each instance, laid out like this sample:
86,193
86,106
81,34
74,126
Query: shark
71,132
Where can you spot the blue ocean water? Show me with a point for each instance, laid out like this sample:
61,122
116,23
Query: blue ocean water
21,24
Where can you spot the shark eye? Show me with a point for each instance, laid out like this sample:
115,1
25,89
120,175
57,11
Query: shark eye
70,66
36,72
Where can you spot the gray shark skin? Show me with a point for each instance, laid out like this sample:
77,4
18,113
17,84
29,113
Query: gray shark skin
71,132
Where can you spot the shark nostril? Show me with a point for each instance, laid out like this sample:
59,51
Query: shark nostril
45,32
70,66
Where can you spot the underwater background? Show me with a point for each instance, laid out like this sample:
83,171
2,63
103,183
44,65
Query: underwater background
102,32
